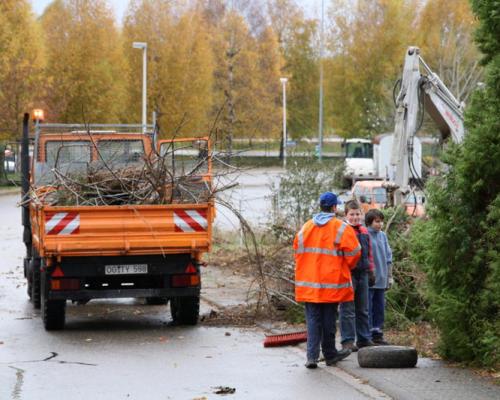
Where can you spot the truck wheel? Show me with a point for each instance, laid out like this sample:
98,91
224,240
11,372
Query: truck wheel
27,275
26,262
185,310
387,357
53,311
156,301
35,288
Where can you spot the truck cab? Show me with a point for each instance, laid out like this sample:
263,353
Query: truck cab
359,164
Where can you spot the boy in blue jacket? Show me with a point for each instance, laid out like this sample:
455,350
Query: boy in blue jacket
382,255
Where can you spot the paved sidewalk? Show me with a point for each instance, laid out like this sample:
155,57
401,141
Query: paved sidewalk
430,380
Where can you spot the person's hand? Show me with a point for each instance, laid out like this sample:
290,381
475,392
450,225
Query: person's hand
371,278
390,282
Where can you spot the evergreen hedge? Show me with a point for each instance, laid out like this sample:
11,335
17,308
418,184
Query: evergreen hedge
459,246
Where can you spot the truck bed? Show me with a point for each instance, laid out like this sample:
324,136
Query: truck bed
122,229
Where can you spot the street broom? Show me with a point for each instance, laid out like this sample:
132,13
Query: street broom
285,339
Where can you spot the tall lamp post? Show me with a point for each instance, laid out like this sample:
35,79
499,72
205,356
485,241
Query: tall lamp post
283,82
320,122
144,47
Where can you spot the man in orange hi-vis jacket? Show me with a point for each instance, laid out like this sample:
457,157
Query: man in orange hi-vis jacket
326,249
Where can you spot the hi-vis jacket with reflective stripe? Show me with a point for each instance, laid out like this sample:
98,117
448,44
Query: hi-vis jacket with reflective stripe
324,257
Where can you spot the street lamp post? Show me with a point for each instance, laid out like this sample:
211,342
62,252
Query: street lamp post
283,82
320,122
144,47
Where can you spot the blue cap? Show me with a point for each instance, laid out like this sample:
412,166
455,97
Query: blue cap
328,199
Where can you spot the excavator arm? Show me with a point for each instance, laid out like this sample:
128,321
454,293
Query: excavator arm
420,90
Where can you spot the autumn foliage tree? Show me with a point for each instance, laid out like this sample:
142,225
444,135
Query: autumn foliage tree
209,58
445,36
85,67
180,65
366,43
21,63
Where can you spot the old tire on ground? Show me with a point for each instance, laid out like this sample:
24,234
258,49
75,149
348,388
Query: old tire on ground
387,357
156,301
53,311
185,310
35,284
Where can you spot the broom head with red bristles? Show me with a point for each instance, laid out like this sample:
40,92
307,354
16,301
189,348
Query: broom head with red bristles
285,339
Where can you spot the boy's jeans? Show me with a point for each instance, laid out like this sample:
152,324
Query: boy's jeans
377,312
321,318
354,314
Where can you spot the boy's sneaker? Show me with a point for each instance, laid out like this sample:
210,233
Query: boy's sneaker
311,364
341,354
350,346
367,343
379,341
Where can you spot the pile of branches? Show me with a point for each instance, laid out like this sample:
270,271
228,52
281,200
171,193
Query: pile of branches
146,182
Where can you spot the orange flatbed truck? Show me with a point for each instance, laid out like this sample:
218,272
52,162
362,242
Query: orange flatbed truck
84,252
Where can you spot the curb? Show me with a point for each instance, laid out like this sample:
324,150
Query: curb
9,191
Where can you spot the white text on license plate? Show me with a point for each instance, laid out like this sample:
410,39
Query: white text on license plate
126,269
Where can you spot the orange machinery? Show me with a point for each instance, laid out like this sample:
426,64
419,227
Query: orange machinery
85,252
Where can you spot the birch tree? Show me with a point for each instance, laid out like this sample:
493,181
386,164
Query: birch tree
445,35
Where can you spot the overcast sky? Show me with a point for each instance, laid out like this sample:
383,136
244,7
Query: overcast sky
310,7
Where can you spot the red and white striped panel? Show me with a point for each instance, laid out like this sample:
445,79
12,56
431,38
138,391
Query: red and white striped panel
190,220
63,223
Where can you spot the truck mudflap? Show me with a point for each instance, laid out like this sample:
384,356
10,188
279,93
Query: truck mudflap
85,278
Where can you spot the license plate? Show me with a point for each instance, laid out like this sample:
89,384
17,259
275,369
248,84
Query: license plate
126,269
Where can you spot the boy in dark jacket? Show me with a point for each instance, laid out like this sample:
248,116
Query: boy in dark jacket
354,319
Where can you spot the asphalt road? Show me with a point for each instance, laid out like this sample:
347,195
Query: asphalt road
126,350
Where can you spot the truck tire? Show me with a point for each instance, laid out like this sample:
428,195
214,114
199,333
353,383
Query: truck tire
387,357
35,288
53,311
27,275
185,310
26,261
156,301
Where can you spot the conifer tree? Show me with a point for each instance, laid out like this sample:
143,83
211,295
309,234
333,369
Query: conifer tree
459,245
